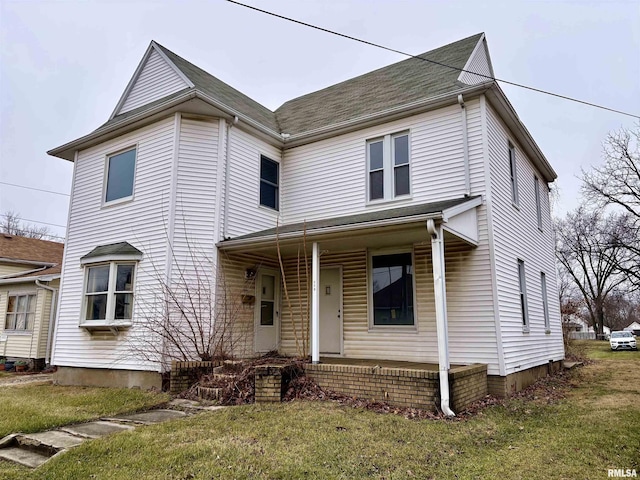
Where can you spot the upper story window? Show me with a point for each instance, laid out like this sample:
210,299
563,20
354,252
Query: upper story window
21,310
513,174
108,296
269,182
392,289
545,302
524,309
536,186
388,167
121,170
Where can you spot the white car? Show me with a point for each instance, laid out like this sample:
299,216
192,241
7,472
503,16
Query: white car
623,340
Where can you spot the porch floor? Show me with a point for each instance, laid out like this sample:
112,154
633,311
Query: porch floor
371,362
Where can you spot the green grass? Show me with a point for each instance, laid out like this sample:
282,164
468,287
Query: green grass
593,429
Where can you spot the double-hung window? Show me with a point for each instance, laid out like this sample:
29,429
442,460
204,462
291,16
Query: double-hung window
536,186
523,296
545,302
513,174
121,170
21,310
388,167
269,182
108,296
391,278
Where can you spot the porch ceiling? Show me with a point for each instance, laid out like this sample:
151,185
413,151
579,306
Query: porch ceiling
378,229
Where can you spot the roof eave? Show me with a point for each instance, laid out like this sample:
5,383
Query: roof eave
44,278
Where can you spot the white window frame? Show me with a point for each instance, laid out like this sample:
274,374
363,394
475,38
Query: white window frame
110,320
513,173
536,186
388,168
28,327
108,157
545,302
522,296
399,328
260,180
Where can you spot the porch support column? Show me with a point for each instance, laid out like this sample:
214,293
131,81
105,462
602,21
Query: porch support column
315,304
440,290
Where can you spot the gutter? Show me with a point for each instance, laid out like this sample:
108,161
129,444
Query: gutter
26,272
44,278
52,310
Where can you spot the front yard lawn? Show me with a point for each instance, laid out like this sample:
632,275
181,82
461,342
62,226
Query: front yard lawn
593,429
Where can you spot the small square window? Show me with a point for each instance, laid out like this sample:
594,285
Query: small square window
269,182
120,174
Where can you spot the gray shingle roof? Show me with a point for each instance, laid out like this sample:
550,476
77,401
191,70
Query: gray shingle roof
121,248
399,212
392,86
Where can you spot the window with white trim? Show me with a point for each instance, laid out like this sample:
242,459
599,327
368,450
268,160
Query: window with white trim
536,186
523,295
392,278
545,302
388,167
108,295
121,169
21,311
269,182
513,174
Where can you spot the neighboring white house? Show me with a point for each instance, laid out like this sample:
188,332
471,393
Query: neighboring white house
579,329
634,327
421,197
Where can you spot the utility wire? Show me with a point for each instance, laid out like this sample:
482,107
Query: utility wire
35,221
33,188
366,42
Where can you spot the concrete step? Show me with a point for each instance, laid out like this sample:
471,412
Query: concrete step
53,440
95,429
24,456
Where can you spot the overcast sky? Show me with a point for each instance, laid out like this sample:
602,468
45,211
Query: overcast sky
64,65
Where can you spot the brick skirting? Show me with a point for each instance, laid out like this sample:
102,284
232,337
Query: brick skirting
185,374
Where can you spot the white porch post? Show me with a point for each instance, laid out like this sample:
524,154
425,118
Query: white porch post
440,290
315,305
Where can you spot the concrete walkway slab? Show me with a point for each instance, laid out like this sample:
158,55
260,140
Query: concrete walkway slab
54,439
150,417
23,457
96,429
184,403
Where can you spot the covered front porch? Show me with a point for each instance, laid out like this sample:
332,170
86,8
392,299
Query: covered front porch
366,288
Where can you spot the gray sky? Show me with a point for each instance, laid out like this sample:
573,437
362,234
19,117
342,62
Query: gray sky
64,65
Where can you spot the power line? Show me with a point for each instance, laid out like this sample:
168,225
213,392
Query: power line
35,221
366,42
33,188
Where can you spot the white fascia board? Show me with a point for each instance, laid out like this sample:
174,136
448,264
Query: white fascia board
461,208
42,278
152,46
318,232
27,262
111,258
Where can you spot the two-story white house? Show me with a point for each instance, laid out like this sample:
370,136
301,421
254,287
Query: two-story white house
420,197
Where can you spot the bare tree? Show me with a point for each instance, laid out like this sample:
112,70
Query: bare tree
588,250
617,184
12,224
622,309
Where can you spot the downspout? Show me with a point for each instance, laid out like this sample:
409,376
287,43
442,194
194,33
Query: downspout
437,254
52,311
465,147
227,176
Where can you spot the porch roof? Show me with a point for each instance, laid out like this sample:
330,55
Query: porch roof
442,210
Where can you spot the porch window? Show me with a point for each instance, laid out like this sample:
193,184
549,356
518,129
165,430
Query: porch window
392,289
20,312
120,174
108,296
388,167
269,182
523,296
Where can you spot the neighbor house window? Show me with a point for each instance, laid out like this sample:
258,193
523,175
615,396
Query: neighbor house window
108,294
269,181
120,174
513,173
545,302
523,295
536,186
392,289
388,166
21,310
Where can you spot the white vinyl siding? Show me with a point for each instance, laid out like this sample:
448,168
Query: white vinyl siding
245,213
517,236
329,177
478,63
156,80
142,223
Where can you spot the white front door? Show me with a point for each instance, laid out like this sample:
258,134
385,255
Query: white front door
267,313
331,310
